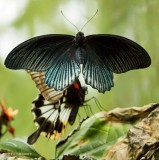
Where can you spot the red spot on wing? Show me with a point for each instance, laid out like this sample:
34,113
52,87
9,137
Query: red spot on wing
76,85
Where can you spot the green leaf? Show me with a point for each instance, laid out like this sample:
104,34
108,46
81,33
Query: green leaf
96,134
20,147
99,133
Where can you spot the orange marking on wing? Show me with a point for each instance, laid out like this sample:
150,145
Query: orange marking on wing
76,85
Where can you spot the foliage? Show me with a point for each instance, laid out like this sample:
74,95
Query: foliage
19,147
109,135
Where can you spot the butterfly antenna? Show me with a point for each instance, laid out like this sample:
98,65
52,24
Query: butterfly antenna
89,20
69,20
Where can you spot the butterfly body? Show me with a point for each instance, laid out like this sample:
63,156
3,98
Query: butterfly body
74,97
59,56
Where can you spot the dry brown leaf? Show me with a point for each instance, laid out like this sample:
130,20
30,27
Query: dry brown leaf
141,141
130,114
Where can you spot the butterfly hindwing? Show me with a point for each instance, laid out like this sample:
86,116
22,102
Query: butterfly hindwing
52,117
96,73
118,53
37,54
64,71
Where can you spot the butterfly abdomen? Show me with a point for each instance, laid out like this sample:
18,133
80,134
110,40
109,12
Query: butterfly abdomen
80,55
73,115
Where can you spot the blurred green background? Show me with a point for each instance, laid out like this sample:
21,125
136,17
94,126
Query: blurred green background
22,19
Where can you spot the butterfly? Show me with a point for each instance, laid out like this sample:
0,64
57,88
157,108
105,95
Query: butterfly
53,115
62,57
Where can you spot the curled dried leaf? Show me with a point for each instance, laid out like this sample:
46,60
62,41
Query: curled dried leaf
141,141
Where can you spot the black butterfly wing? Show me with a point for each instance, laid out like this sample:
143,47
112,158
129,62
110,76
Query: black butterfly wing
38,53
64,70
118,53
95,71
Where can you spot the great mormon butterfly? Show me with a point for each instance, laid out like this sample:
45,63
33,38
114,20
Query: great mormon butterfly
53,116
62,57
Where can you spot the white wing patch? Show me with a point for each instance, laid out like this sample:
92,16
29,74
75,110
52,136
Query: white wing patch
50,118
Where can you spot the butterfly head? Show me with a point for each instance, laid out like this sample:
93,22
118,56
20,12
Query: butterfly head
80,39
80,34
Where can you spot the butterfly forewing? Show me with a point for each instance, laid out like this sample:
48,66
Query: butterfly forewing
118,53
37,54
